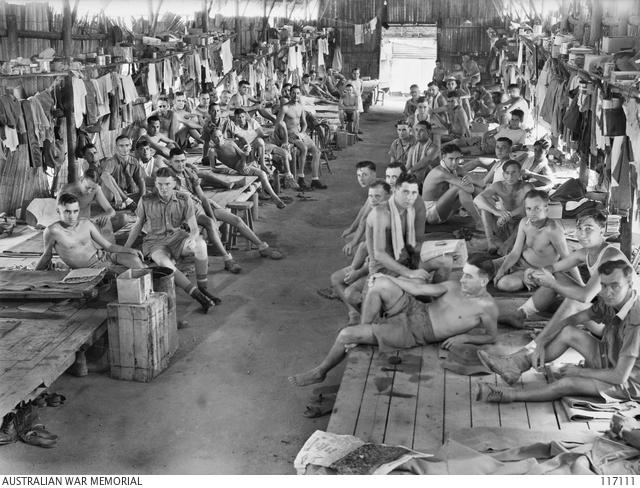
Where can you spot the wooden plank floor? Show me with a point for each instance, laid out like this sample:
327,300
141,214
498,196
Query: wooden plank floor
418,404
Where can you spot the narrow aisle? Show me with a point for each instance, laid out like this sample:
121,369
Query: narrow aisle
224,406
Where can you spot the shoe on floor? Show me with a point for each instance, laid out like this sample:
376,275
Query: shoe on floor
202,299
317,185
506,368
492,394
271,253
231,266
8,431
280,204
292,182
302,185
214,299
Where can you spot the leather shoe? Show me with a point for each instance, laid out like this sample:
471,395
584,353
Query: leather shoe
8,431
33,438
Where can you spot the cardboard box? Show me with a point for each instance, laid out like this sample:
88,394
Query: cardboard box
625,77
134,286
456,248
612,45
592,61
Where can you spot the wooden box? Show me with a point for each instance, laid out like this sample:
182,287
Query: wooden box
612,45
341,139
134,286
139,348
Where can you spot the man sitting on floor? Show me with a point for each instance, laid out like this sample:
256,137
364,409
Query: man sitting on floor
554,283
392,173
354,234
540,242
515,102
501,205
537,166
163,212
444,192
148,162
400,147
349,282
79,243
423,112
460,312
411,105
186,123
487,143
125,169
424,154
611,368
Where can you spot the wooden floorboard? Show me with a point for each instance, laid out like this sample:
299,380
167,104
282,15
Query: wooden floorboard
429,423
514,414
542,415
404,397
483,414
374,410
457,402
349,399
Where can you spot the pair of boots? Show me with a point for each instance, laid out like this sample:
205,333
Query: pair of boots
25,425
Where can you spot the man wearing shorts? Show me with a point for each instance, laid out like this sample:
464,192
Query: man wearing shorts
392,318
163,212
79,243
611,364
293,116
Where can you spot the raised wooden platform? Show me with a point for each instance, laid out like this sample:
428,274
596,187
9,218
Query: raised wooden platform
36,351
417,403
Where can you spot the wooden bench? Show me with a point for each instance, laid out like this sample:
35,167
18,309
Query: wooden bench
34,352
417,403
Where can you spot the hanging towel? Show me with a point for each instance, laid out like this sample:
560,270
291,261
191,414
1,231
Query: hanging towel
79,100
292,59
337,59
152,81
227,57
358,34
167,75
208,78
397,236
11,140
373,24
129,92
323,49
197,63
91,103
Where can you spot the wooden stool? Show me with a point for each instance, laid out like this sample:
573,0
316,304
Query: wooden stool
236,208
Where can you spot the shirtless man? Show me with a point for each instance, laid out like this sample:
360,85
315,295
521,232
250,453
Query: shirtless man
349,282
411,104
424,154
501,205
555,283
79,243
88,192
515,102
366,175
293,115
160,143
225,96
242,99
163,212
471,70
459,313
444,192
187,122
348,109
202,109
400,147
611,363
540,242
149,164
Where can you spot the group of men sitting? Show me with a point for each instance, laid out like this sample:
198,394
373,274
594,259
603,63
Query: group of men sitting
399,297
166,191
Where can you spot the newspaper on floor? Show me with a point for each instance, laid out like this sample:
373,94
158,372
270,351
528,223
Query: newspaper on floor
348,454
83,275
590,408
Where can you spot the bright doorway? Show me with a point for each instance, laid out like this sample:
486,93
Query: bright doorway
407,56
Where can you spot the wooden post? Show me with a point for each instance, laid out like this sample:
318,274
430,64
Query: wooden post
205,16
595,33
12,36
67,50
626,232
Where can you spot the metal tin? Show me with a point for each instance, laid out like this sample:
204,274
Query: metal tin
608,67
100,60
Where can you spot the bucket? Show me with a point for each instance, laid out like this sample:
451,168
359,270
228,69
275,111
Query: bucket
163,282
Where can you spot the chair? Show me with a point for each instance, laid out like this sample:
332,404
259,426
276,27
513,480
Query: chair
380,93
321,135
246,209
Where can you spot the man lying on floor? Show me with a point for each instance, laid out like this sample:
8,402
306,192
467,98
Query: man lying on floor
79,243
460,312
539,242
611,364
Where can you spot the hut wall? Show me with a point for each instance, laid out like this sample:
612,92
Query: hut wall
453,38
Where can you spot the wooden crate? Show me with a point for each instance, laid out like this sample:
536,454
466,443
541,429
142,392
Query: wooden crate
139,348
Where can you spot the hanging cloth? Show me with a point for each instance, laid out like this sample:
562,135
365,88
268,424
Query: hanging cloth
206,69
167,75
35,154
323,49
358,34
337,59
79,100
373,24
227,57
152,81
129,92
620,177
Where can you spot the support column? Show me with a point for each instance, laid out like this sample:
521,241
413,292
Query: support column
67,50
595,33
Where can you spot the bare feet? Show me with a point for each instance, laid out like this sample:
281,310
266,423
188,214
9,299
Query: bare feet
515,320
309,378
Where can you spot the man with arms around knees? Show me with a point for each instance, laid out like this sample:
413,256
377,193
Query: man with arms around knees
424,154
164,211
354,234
611,364
501,205
79,243
540,242
125,169
461,312
412,104
444,192
554,283
160,143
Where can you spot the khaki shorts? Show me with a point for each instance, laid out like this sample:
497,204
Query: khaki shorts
103,259
173,244
432,212
407,324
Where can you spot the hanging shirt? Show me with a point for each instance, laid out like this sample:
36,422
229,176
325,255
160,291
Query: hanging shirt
79,100
152,81
358,34
227,57
129,92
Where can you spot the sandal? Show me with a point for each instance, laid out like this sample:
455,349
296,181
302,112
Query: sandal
32,438
43,432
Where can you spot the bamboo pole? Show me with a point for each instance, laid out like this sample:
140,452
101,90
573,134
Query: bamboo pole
67,48
595,33
12,34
